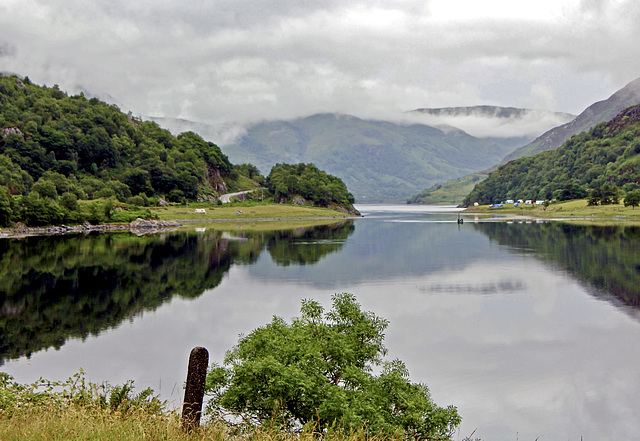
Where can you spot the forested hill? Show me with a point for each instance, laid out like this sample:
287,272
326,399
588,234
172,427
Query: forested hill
607,154
92,149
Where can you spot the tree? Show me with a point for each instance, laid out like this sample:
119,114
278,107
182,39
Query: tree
610,194
594,196
69,201
632,199
319,370
6,207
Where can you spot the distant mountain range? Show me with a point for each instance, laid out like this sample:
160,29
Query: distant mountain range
552,139
387,161
489,112
380,160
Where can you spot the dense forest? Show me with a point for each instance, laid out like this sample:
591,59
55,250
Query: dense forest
287,181
607,156
56,150
62,149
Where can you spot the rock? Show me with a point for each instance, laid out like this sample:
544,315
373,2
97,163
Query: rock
11,131
299,200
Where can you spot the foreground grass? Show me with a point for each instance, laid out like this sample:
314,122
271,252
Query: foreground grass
75,410
77,424
46,423
577,210
242,210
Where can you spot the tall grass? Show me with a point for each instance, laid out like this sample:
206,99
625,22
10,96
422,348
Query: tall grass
76,410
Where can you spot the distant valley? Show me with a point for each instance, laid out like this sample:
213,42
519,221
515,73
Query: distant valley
381,160
443,150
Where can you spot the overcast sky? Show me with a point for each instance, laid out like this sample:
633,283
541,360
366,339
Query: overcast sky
243,60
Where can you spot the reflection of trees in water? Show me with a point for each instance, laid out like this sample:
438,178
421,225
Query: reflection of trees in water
608,258
54,288
304,246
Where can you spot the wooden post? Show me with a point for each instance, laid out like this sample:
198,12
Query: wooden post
194,392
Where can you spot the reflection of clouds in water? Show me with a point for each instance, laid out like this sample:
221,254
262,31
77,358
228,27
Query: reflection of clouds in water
537,360
501,286
516,347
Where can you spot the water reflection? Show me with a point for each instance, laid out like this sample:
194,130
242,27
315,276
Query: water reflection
502,320
54,288
606,258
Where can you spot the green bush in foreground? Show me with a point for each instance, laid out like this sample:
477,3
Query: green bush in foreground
318,372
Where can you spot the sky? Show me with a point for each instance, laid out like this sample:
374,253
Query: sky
238,61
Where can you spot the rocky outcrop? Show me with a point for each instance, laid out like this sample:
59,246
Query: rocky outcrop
214,177
141,227
350,210
625,118
10,131
138,227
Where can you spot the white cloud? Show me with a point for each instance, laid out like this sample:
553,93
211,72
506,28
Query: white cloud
224,61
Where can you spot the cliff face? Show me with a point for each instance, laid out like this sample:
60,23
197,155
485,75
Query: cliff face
624,119
216,181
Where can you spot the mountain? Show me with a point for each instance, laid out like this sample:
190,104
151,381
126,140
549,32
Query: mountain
596,113
550,140
607,155
377,160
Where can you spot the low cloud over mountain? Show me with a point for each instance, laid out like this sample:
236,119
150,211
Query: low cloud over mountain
493,121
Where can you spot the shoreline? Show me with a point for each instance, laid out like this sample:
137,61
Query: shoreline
141,227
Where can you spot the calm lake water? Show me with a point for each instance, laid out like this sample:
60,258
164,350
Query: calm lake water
531,329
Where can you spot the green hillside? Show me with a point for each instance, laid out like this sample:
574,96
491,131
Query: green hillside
58,151
91,149
451,192
377,160
596,113
608,156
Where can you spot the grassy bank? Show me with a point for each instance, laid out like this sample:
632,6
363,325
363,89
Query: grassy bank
258,225
576,210
242,210
76,410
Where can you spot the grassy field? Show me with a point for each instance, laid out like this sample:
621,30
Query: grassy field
253,226
242,210
577,210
